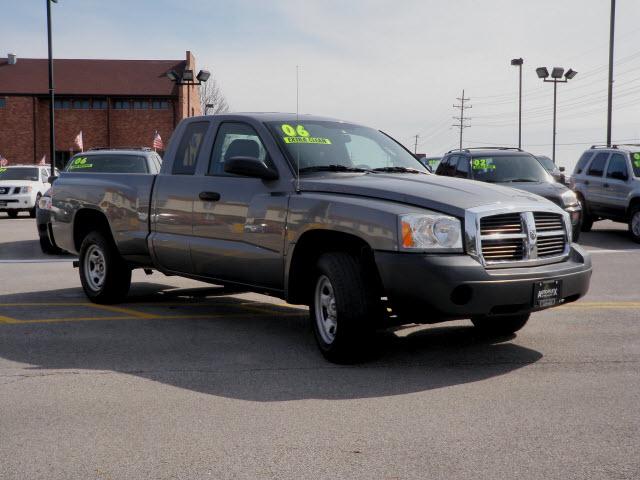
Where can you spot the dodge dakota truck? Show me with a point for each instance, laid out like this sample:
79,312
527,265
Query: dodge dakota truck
324,213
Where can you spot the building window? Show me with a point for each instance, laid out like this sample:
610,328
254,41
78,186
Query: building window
81,104
141,105
3,102
99,105
160,105
121,105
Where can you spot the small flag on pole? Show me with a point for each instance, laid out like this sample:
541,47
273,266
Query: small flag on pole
157,142
3,161
43,160
78,142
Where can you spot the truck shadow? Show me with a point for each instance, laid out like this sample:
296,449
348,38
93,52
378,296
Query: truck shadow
250,350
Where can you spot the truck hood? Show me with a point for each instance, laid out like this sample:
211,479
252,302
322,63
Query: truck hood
19,183
444,194
550,190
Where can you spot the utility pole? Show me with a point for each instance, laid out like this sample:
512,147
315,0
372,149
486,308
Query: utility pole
415,147
612,22
461,125
518,63
52,137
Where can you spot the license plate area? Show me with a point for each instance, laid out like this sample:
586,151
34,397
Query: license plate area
547,293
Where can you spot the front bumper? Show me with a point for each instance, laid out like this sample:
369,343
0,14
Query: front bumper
17,202
426,288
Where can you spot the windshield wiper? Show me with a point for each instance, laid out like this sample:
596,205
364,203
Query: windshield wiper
398,170
332,168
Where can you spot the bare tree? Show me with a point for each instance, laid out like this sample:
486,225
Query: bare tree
211,95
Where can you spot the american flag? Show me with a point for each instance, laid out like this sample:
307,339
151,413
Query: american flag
78,142
3,161
43,161
157,141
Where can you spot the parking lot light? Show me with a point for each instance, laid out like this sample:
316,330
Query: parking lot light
542,72
203,75
570,74
557,72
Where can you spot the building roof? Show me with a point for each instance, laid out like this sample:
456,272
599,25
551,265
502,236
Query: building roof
29,76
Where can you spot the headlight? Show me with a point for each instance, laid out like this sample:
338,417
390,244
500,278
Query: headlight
569,198
430,231
45,203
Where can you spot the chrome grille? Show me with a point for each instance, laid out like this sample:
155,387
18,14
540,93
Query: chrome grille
518,238
5,190
548,221
551,246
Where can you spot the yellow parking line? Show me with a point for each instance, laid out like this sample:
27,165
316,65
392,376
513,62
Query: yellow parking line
126,311
7,320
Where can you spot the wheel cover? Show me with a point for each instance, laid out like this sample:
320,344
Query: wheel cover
635,224
325,309
95,267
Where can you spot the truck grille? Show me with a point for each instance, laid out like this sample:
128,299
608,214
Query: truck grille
522,236
5,190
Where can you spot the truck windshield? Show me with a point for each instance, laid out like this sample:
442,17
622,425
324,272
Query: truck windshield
635,162
19,173
315,145
507,168
107,163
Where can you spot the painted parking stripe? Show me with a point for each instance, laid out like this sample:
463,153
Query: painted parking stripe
36,260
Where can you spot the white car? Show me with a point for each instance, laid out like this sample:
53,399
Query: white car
21,187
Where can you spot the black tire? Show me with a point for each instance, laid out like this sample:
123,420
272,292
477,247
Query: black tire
500,326
12,213
356,308
47,247
575,233
109,284
32,212
586,223
634,228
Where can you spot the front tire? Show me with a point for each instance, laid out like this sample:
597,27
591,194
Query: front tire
634,223
500,326
344,309
586,222
105,276
12,213
32,212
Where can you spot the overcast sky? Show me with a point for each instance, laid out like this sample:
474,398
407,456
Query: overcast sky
395,65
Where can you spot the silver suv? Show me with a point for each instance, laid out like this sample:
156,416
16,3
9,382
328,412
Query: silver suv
607,182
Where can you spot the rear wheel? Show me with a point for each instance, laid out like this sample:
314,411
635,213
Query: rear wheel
12,213
105,276
634,223
47,247
500,325
344,310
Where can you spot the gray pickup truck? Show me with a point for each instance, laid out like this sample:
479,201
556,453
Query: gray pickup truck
325,213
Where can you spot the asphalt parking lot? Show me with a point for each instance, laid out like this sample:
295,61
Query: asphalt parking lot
182,382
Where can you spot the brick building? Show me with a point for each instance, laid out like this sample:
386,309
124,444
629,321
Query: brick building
115,103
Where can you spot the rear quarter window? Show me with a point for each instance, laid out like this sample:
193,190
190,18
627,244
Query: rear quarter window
582,162
596,167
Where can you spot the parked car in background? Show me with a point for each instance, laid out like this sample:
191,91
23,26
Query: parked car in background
607,182
126,161
21,187
515,168
556,172
430,162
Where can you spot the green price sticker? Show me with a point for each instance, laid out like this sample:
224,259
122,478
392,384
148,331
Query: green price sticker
2,170
482,164
80,162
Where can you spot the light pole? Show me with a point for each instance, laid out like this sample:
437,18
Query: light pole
518,62
612,22
52,137
187,79
207,107
556,78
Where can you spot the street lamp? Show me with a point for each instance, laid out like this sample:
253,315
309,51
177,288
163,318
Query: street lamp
52,138
556,78
187,79
518,62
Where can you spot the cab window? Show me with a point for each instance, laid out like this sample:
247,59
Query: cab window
235,140
462,169
189,148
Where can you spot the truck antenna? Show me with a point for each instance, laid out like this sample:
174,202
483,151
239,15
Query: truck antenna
297,120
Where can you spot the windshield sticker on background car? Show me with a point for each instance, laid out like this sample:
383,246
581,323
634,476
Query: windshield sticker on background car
433,162
299,134
482,164
80,162
636,160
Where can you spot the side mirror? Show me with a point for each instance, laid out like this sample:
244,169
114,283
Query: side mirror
51,179
561,169
250,167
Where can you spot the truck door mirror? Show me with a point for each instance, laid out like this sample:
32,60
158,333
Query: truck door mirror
562,169
51,179
250,167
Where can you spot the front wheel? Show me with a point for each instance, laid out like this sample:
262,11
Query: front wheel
634,223
12,213
105,276
500,325
33,211
344,309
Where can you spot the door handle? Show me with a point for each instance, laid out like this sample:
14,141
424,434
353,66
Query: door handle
586,182
606,185
209,196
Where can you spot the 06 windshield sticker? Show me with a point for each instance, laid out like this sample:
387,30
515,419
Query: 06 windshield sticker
80,162
482,164
636,160
299,134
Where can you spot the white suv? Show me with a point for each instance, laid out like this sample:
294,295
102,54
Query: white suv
21,187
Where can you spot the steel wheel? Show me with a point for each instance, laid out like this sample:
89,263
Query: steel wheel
95,267
325,310
635,223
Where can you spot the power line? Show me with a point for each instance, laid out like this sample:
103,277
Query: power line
461,125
